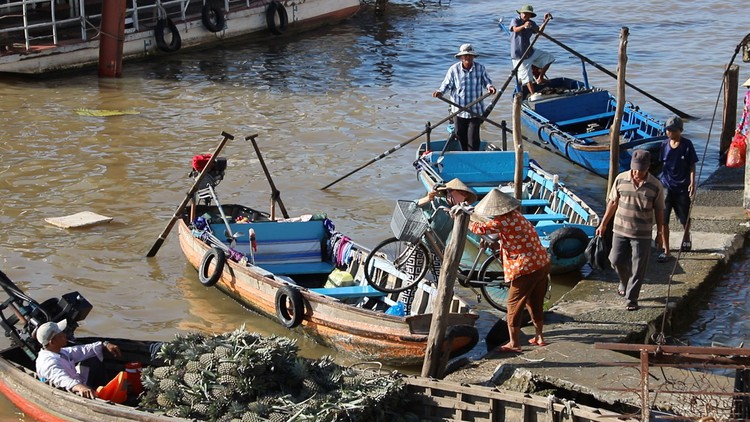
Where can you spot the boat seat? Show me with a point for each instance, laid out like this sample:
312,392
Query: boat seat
623,128
349,292
534,202
545,217
584,119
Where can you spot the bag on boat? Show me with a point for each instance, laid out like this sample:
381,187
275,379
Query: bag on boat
736,154
597,253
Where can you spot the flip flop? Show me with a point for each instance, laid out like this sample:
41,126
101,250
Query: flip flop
506,349
632,307
533,342
662,257
621,292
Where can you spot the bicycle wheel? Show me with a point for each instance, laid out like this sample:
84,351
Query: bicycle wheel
396,265
494,287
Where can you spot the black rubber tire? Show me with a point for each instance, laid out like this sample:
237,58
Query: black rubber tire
398,253
290,308
568,242
276,9
461,339
494,288
176,41
212,16
221,259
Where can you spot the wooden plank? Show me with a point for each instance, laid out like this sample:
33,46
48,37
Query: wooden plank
588,118
349,292
545,217
78,220
594,134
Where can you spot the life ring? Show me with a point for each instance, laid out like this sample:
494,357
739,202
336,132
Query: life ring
568,242
212,16
276,9
221,259
290,307
175,43
461,339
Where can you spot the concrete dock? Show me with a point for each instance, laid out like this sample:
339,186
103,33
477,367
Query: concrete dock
592,312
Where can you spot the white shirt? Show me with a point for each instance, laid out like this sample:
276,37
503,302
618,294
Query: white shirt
59,369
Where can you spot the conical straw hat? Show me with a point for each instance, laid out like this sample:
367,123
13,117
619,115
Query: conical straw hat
456,184
496,203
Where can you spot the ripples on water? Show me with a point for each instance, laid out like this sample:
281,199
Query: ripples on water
322,104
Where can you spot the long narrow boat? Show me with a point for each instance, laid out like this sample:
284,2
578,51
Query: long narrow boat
576,120
293,270
565,222
42,36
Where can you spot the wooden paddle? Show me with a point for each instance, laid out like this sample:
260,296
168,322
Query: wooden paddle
189,196
612,74
402,144
275,194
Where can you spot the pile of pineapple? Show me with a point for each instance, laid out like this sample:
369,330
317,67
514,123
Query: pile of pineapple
242,376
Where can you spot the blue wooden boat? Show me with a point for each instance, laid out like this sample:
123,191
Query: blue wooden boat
565,223
576,119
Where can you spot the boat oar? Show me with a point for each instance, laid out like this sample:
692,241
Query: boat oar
484,119
515,69
402,144
189,195
612,74
275,194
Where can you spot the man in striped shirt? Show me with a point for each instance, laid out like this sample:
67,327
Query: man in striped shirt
636,201
466,80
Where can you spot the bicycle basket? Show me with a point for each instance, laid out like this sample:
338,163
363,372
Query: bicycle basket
409,222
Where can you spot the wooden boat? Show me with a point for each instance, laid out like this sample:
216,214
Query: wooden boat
290,277
565,222
43,36
576,119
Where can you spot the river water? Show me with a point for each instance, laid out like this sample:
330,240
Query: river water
323,103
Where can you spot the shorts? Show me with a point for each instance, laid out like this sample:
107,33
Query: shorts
680,203
538,58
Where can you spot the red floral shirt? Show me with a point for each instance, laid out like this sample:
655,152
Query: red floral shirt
523,252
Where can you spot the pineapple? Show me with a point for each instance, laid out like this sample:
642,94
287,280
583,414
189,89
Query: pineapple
193,366
163,372
169,384
192,379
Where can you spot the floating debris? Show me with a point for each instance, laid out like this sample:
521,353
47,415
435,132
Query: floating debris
104,113
78,220
243,376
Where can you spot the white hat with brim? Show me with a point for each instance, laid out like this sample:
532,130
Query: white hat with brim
46,331
496,203
456,184
747,83
466,50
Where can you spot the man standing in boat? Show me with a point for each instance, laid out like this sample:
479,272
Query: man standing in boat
636,201
521,30
466,80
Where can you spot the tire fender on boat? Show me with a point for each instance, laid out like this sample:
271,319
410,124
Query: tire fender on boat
290,308
161,25
220,257
276,9
460,339
212,17
568,242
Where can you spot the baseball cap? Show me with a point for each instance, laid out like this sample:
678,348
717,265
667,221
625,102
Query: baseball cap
46,331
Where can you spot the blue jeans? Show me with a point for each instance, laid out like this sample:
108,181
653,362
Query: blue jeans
629,258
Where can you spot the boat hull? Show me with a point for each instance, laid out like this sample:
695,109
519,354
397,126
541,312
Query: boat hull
240,22
363,333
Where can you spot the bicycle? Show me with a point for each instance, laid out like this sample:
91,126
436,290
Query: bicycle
399,263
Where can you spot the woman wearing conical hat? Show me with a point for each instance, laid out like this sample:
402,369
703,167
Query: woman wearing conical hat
526,263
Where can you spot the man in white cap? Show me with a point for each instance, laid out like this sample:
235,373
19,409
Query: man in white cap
56,364
466,81
636,201
522,28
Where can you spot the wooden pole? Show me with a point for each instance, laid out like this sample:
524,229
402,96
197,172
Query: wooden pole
729,118
517,147
275,194
436,355
614,131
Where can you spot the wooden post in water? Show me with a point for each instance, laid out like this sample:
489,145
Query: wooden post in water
436,354
111,38
729,117
614,131
517,147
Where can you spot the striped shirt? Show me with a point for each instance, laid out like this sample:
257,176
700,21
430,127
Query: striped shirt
465,87
523,252
634,217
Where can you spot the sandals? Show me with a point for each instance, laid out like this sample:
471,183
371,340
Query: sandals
632,306
662,257
507,349
533,342
621,291
687,244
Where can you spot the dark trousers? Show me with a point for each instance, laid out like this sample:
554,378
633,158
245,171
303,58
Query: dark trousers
467,132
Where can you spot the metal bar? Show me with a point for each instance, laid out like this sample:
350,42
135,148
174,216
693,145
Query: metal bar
706,350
